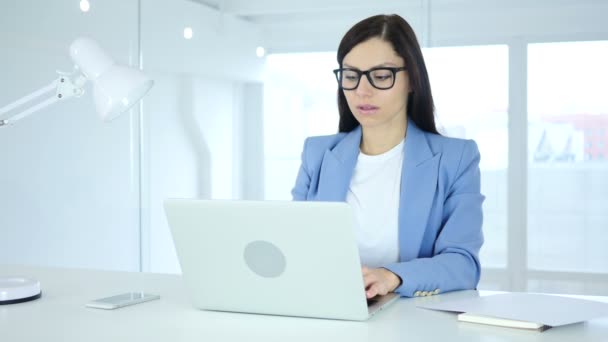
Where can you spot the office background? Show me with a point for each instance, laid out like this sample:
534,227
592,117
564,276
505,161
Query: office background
526,80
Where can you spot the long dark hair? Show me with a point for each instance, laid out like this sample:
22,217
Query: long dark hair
395,30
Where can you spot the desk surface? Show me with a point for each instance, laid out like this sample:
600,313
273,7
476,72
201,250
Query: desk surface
60,315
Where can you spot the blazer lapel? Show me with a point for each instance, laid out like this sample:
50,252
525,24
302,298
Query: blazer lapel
337,168
418,188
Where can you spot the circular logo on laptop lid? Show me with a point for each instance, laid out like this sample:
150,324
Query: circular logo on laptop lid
264,259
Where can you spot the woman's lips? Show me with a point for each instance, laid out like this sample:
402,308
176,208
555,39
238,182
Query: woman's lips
367,109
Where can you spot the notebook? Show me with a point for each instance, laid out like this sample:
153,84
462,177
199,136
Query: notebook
503,322
522,310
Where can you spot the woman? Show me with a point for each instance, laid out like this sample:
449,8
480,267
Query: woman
416,194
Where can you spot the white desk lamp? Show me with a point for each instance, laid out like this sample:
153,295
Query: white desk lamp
116,89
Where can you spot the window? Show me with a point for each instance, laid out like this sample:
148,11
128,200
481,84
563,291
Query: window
567,198
299,101
470,89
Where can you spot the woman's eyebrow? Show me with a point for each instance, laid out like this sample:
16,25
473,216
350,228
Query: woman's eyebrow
375,66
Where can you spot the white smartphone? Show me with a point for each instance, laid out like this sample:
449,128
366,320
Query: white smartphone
121,300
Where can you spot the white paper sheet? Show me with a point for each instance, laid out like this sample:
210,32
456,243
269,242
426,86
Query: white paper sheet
545,309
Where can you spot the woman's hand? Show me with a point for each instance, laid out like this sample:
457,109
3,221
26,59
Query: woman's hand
379,281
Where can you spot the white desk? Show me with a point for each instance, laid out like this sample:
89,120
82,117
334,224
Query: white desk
60,315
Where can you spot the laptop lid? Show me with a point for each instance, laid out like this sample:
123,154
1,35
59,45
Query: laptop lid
270,257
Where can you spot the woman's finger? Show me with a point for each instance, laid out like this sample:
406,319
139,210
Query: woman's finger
369,279
372,291
381,289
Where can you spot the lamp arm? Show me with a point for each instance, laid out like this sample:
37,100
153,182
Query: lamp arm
64,88
28,97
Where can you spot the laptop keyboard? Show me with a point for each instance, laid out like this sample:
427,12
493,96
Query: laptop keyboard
371,301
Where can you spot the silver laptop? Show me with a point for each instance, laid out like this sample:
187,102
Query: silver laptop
271,257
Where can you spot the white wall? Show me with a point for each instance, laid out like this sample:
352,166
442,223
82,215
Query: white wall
68,182
189,152
194,144
77,192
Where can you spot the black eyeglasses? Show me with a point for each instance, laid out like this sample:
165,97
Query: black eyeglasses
380,78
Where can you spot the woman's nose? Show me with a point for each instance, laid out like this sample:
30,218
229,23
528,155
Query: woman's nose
364,88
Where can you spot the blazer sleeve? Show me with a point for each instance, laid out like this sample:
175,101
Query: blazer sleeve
455,261
300,190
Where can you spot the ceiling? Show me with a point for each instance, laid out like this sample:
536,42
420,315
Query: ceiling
317,25
261,10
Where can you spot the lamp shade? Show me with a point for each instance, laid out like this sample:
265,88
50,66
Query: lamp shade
116,88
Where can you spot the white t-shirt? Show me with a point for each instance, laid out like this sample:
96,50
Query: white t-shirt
374,194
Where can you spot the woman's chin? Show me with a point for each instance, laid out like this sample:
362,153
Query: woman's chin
369,121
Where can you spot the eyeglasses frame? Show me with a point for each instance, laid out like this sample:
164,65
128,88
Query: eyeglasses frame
367,74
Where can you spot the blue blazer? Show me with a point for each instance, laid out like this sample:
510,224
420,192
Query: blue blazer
440,213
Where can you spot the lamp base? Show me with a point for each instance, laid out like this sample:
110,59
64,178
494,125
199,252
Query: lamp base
15,290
